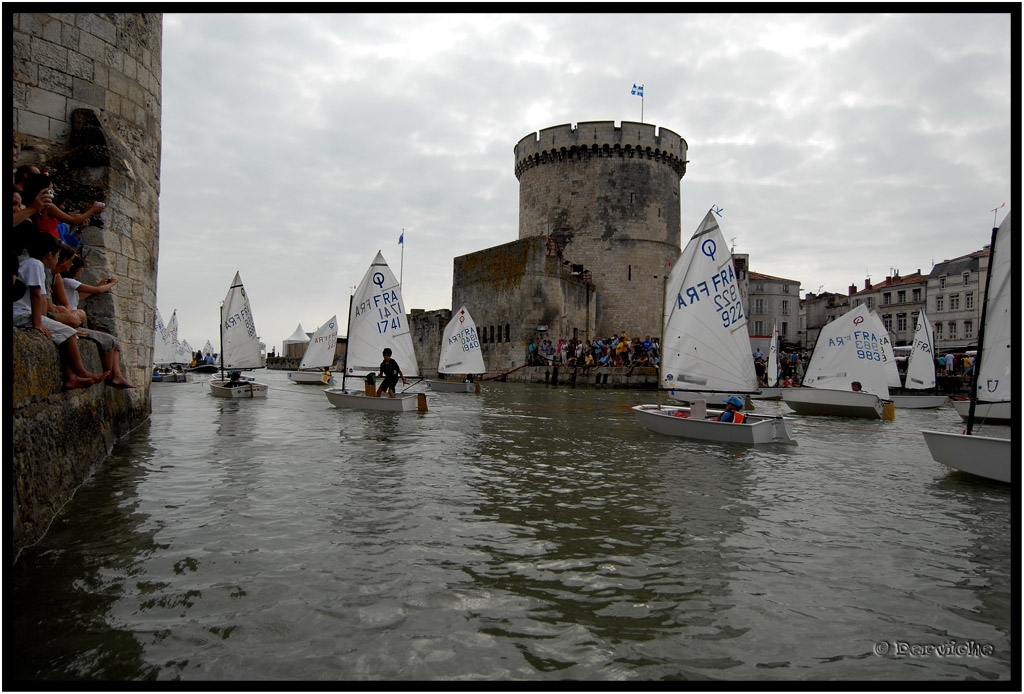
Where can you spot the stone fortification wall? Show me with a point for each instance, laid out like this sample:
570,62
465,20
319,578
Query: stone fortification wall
610,197
86,103
514,290
427,329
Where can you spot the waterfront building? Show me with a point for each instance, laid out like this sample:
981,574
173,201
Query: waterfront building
956,289
772,301
816,310
897,300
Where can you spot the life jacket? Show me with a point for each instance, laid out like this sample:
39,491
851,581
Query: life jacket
738,417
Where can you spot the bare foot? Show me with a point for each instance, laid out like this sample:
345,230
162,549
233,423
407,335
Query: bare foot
74,382
120,383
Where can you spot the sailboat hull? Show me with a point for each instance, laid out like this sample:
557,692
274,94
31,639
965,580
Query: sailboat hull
676,421
983,456
453,387
244,389
825,402
312,376
987,412
918,402
767,394
359,400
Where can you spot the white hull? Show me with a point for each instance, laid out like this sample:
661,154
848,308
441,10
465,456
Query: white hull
985,413
359,400
919,402
755,429
453,387
243,389
824,402
315,376
691,396
767,394
979,455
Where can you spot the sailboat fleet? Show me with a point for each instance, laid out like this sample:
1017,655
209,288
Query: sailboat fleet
706,359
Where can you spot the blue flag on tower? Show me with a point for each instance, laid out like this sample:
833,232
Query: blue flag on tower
638,91
401,239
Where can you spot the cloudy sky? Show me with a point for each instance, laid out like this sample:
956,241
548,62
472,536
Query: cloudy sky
840,146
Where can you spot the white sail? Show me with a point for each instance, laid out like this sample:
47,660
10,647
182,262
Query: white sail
994,383
460,346
772,374
184,353
849,349
921,363
706,346
163,350
892,374
377,320
320,352
241,345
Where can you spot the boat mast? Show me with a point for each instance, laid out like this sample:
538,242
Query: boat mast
981,332
222,340
348,329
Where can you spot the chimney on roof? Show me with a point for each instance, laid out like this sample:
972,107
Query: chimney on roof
888,280
867,283
853,289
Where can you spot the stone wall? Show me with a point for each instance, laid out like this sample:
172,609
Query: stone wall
518,292
86,103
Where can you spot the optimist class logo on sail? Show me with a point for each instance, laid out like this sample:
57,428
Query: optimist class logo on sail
387,308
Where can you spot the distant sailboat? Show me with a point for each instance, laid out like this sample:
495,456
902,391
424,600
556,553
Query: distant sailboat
460,354
319,356
921,370
239,347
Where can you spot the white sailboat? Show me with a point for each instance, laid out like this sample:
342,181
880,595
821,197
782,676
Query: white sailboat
706,348
986,456
164,355
460,354
239,347
318,358
921,370
772,391
849,349
377,319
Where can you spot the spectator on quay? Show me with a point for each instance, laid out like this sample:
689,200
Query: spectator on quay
549,352
60,305
30,312
622,351
531,353
50,217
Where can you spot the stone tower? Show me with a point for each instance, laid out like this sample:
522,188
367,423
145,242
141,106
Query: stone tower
609,196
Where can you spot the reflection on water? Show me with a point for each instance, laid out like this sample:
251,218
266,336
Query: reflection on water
529,533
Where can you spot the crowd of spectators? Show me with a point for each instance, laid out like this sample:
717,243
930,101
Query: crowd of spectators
614,351
46,268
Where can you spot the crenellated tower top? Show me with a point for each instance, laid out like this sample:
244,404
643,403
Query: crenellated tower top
602,139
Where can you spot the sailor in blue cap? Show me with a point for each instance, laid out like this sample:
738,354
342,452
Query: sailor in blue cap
732,413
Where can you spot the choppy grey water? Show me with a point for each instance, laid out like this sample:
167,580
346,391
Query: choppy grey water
528,533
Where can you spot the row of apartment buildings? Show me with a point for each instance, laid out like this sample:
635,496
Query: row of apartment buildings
951,295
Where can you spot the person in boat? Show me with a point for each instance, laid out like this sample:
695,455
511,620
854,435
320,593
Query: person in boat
732,413
856,387
234,378
390,372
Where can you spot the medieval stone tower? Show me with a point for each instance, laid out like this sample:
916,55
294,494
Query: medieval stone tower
598,231
609,196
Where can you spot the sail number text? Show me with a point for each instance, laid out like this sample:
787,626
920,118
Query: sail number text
239,319
720,288
467,337
385,308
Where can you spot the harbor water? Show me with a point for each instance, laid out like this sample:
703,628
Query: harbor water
529,533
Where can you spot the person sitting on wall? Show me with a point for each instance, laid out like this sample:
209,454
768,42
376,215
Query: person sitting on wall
30,311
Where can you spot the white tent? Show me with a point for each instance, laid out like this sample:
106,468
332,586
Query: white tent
300,338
